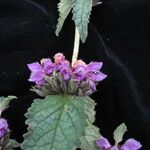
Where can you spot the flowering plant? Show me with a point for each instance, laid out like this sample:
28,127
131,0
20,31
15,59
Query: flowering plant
63,118
67,112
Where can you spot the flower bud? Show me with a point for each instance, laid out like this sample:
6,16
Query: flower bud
79,63
58,58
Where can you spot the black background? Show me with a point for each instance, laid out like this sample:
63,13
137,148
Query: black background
119,35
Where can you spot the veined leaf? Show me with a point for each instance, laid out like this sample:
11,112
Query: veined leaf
64,8
57,122
81,14
119,132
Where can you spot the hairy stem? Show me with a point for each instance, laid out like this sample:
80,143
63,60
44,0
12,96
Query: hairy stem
76,46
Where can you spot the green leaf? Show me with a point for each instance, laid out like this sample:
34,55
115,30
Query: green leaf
4,102
89,141
57,122
64,8
119,132
81,14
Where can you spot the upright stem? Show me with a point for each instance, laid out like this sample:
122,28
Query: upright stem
76,46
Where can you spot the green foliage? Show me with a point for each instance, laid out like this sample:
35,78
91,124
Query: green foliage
59,122
64,8
89,140
4,102
119,132
81,13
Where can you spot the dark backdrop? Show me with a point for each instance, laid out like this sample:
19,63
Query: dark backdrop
118,36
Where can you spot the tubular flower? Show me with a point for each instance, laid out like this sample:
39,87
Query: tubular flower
59,77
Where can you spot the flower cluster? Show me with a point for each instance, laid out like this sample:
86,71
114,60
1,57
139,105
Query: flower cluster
55,77
130,144
3,127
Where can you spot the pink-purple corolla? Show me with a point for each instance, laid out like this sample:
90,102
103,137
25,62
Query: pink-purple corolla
130,144
80,71
3,127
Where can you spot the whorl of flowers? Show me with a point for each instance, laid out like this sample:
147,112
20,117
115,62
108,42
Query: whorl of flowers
59,77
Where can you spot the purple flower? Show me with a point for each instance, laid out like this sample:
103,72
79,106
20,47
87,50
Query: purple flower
94,66
103,143
48,65
96,76
65,70
131,144
3,127
93,71
37,73
80,73
90,72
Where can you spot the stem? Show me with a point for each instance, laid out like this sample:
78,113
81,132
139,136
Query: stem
76,46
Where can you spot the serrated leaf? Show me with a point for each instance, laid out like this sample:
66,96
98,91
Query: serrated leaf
89,141
57,122
119,132
64,8
81,14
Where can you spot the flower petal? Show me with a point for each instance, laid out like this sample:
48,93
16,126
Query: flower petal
131,144
36,76
94,66
80,73
103,143
3,127
100,76
3,124
34,66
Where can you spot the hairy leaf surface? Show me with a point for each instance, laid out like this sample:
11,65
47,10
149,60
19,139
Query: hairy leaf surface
57,122
81,14
64,8
119,132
